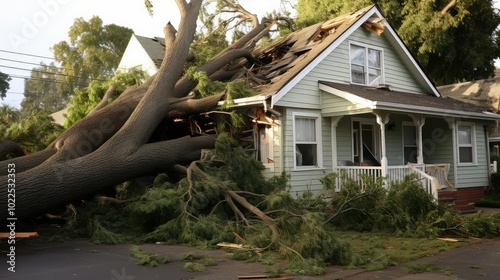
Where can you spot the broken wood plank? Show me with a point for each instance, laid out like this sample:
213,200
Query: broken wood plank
265,277
19,234
230,245
447,239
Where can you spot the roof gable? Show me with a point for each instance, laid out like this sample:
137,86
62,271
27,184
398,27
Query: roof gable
319,40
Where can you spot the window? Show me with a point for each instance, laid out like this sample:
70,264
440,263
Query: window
366,65
307,140
466,143
409,143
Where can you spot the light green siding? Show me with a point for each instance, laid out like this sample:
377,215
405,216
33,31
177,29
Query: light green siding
437,143
302,180
335,68
475,175
344,139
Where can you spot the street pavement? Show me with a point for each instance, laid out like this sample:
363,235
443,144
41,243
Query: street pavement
80,259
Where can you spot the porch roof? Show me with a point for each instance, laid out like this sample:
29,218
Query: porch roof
384,99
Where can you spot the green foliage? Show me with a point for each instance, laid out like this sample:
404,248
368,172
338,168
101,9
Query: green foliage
494,188
306,267
493,202
94,50
421,267
4,84
34,132
194,267
147,258
85,99
431,32
46,89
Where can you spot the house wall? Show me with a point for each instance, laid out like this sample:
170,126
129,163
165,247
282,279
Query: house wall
302,180
335,68
135,56
476,175
437,143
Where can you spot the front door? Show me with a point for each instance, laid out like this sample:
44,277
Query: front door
366,142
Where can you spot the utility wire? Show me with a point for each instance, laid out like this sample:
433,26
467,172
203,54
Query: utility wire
45,80
53,73
31,63
26,54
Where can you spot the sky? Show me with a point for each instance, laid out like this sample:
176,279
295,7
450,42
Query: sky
33,26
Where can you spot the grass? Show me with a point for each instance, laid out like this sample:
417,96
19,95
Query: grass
148,258
493,202
420,267
377,250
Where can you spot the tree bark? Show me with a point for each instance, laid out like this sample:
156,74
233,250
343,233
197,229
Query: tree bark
111,144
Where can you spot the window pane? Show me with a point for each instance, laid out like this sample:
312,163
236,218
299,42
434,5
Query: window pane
464,135
358,74
374,75
305,129
410,136
357,55
306,155
465,154
374,58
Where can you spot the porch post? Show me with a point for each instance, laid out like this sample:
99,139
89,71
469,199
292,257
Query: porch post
451,124
382,120
419,122
335,122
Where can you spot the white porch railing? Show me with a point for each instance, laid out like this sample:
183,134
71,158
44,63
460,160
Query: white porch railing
394,174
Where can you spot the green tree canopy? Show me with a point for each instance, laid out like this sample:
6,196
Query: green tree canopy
46,89
94,49
453,40
4,84
93,52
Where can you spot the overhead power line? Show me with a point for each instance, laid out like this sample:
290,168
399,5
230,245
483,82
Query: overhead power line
30,63
26,54
52,73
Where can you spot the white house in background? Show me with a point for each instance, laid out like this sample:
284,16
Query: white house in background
346,96
59,116
144,53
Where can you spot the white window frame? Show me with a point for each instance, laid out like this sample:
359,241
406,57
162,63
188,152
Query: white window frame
472,145
367,78
318,142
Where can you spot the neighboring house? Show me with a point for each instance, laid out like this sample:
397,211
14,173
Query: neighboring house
60,116
346,96
485,93
144,53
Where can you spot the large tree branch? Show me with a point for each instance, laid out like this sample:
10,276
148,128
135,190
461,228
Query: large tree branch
450,5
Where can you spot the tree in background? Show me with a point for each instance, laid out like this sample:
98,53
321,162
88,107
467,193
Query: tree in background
4,84
93,52
453,40
45,90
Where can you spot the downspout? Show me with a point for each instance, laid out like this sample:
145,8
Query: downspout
488,159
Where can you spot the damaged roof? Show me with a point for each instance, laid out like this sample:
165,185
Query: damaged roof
283,60
481,92
385,99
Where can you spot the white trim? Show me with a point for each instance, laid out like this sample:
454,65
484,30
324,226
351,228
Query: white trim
408,108
319,140
472,145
